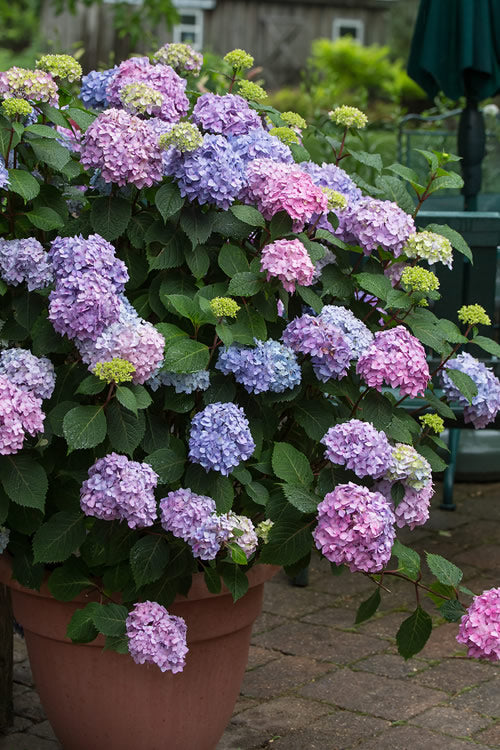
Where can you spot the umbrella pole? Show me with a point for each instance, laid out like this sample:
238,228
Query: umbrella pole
472,149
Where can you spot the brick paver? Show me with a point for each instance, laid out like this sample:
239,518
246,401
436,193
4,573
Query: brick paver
315,681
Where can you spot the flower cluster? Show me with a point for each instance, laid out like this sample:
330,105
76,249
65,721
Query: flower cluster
224,307
355,527
227,115
33,85
398,359
333,177
288,261
294,120
140,99
25,261
241,531
486,404
184,136
181,57
336,201
358,336
20,413
32,374
413,509
358,446
238,59
285,135
433,421
252,92
116,371
81,255
13,108
473,315
269,366
348,117
182,382
406,463
372,223
220,437
325,343
118,489
83,305
60,66
429,246
258,144
93,89
479,628
155,637
418,279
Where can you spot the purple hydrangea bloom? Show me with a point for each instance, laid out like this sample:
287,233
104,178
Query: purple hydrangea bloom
358,446
4,538
355,528
32,374
258,144
124,148
328,346
78,255
160,77
4,174
193,518
357,334
269,366
93,88
210,174
25,261
227,115
398,359
118,489
486,404
413,509
182,382
83,305
333,177
479,628
371,223
220,437
20,413
155,637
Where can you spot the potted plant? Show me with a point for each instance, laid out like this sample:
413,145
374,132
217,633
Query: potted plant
207,340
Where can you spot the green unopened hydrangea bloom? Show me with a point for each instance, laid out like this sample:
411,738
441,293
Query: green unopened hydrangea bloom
348,117
419,280
286,135
433,422
139,98
116,371
13,107
336,201
429,246
224,307
184,136
263,528
294,120
473,315
238,59
252,92
60,66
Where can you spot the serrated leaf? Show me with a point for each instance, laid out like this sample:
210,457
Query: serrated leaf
43,131
81,628
82,117
257,492
337,283
148,559
310,298
24,480
45,218
488,345
117,643
369,160
379,285
125,429
232,260
291,465
198,261
446,572
288,542
376,409
23,183
408,560
197,225
414,633
406,173
245,284
368,608
237,554
212,580
248,215
235,580
67,581
452,610
463,382
186,355
91,385
110,216
168,200
50,152
59,537
84,427
452,332
396,191
439,406
168,464
249,325
109,619
127,398
28,574
436,462
301,499
281,225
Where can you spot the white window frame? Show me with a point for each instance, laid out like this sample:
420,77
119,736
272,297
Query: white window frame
356,23
196,29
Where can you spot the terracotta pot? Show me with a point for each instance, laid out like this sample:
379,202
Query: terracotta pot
101,700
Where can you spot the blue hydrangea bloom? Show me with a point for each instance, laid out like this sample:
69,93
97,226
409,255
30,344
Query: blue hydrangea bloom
32,374
333,177
4,175
354,330
220,437
94,85
486,404
258,144
269,366
182,382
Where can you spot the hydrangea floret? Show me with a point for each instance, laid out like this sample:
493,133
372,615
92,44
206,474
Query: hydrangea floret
60,66
238,59
473,315
433,422
479,627
294,120
429,246
141,99
288,261
33,85
485,405
224,307
358,446
155,637
288,136
13,108
417,279
181,57
348,117
184,136
336,201
251,91
116,371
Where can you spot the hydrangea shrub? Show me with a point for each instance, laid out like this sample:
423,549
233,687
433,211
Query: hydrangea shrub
207,344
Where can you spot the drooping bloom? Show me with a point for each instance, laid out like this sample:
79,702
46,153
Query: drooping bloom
220,437
183,382
429,246
486,404
358,446
269,366
32,374
479,628
371,223
398,359
289,261
25,261
326,344
357,334
355,528
155,637
118,489
181,57
78,255
20,413
60,66
227,115
93,88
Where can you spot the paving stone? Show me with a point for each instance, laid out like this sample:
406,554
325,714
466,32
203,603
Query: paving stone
43,729
440,520
414,738
334,617
28,705
489,736
384,627
259,656
486,557
442,643
18,688
477,533
20,652
20,724
454,675
281,675
336,731
237,737
242,704
281,716
320,642
484,699
391,665
380,696
21,672
291,601
27,742
451,721
266,621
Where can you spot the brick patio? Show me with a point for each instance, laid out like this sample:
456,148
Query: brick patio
316,682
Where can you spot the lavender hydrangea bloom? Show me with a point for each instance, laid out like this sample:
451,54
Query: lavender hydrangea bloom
358,446
328,346
4,538
228,114
406,463
193,518
479,628
32,374
398,359
371,223
486,404
182,382
4,174
212,173
78,255
83,305
20,413
93,88
155,637
355,528
25,261
118,489
413,509
258,144
269,366
357,334
220,437
333,177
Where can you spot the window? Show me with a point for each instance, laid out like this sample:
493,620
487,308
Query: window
189,30
349,27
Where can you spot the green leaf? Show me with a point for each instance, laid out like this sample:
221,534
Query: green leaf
81,628
91,385
237,554
249,325
406,173
235,580
186,355
414,633
127,398
395,191
289,542
368,608
198,261
248,215
281,225
118,643
26,572
43,131
379,285
337,283
168,200
24,184
142,397
212,580
148,559
182,304
168,464
59,537
369,160
232,260
452,610
488,345
456,239
45,218
67,581
125,429
291,465
84,427
439,405
227,225
24,480
257,492
197,225
377,409
436,462
448,181
463,382
110,216
245,284
446,573
82,117
50,152
222,491
301,499
408,560
452,332
109,619
310,298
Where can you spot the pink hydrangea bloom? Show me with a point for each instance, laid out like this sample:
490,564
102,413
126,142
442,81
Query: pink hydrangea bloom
398,359
20,413
413,509
156,637
289,261
479,628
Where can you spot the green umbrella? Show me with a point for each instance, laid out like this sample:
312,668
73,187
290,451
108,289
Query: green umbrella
456,49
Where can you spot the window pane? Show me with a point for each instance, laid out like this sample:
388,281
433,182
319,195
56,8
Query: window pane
188,37
189,20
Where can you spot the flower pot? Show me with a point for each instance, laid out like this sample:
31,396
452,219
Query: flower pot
102,700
